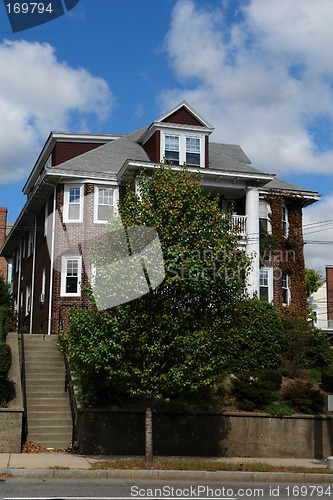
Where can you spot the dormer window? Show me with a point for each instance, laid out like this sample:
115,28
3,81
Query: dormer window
171,151
193,151
182,148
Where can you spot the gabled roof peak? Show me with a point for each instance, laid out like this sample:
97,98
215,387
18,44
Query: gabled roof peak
189,109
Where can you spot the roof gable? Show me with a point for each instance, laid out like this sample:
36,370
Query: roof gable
184,114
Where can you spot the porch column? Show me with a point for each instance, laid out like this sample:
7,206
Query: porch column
252,232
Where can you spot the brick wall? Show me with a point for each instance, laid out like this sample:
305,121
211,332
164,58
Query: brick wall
3,221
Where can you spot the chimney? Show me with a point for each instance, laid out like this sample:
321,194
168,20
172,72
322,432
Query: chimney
329,292
3,222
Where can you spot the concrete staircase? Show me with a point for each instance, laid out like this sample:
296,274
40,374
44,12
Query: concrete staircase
48,407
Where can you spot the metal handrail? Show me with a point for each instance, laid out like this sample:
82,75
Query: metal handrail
68,378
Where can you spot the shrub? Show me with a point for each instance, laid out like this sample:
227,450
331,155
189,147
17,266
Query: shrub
305,346
302,397
5,364
256,389
254,338
279,410
327,380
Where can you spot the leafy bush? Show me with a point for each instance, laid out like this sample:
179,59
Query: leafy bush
256,389
7,321
253,340
5,364
305,346
327,380
279,410
302,397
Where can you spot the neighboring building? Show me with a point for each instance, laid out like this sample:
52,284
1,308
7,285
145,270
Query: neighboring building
321,304
78,178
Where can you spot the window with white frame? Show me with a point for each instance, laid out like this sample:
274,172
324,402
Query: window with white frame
285,288
284,221
171,150
105,202
71,266
43,288
266,284
46,217
31,241
73,203
183,148
27,300
193,151
264,220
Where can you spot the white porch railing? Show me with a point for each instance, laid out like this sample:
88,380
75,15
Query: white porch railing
239,223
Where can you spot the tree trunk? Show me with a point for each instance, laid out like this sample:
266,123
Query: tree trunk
149,430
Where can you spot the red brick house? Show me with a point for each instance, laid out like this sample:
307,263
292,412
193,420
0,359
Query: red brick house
77,178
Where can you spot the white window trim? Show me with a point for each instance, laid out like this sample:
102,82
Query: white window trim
64,260
27,300
285,288
46,217
268,212
182,145
115,200
270,282
66,203
286,221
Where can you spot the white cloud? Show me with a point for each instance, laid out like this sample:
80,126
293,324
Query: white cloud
262,80
39,93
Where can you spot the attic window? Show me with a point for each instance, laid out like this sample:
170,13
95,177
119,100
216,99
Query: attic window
172,149
193,151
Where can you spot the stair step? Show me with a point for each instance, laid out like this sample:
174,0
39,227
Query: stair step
48,407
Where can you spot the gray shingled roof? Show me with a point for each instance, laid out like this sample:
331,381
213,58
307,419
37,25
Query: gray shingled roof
280,185
108,158
230,157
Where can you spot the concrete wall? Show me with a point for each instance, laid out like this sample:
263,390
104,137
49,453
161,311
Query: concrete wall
11,417
242,435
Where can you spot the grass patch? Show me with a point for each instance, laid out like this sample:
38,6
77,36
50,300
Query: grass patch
195,464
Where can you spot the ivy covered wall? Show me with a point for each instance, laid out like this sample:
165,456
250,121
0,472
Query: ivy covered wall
286,254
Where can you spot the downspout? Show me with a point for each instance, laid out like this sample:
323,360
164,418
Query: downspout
52,261
33,278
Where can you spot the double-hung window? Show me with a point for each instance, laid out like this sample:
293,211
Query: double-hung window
266,284
193,151
27,300
285,288
264,221
105,200
73,203
71,267
182,148
171,152
284,221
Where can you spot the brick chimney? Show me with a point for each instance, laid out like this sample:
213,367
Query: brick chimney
329,292
3,222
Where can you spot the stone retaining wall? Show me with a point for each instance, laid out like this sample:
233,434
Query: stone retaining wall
11,417
113,432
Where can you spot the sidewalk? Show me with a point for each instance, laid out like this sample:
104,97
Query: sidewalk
84,462
61,465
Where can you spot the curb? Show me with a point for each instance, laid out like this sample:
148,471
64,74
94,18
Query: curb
163,475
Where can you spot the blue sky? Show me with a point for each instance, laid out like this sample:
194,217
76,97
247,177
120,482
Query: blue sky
259,70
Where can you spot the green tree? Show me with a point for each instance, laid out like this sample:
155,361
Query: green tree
313,281
169,340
